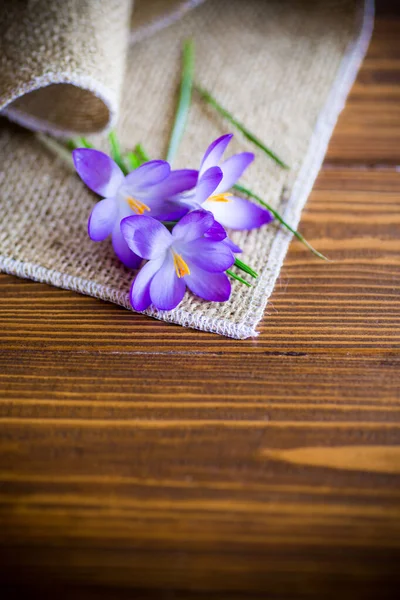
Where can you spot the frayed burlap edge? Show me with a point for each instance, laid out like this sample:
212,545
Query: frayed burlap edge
302,187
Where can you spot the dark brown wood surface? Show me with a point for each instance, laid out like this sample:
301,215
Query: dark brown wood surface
142,460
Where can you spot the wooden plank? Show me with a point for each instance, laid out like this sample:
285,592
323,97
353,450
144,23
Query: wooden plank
368,131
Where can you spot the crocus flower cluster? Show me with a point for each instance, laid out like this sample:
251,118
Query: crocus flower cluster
173,219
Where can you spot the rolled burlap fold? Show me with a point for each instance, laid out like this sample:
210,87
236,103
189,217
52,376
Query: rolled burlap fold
282,67
63,62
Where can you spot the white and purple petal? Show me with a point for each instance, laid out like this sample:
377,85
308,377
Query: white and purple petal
167,211
214,152
207,184
232,170
192,226
166,288
148,174
214,287
146,236
177,182
207,255
238,213
98,171
232,246
122,250
102,219
140,289
216,232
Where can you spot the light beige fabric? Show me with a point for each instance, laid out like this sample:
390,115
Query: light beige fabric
149,16
282,67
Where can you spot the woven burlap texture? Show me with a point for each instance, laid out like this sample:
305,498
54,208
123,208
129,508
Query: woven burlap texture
282,67
148,17
62,62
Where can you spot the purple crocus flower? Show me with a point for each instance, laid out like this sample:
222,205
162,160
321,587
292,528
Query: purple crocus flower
218,234
215,179
183,257
145,190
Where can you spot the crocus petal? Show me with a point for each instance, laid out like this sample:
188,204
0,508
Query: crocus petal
148,174
167,211
192,226
214,287
122,250
140,289
145,236
102,219
207,184
238,213
177,182
207,255
214,152
232,169
216,232
100,173
166,288
232,246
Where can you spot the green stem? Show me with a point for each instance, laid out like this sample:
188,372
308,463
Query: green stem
277,216
185,95
247,134
243,267
238,278
116,152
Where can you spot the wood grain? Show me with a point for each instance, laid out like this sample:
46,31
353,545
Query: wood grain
141,460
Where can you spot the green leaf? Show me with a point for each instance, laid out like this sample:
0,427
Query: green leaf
185,95
238,278
169,223
79,142
132,160
136,157
84,142
247,134
243,267
71,144
141,153
116,152
277,216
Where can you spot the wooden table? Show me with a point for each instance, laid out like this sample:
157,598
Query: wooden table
137,455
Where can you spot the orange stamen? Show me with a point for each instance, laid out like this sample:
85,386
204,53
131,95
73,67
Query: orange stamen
181,267
137,206
220,197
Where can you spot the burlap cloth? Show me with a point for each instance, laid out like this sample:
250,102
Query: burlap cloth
283,67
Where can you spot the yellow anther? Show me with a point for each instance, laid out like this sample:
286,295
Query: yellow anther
181,267
137,206
220,197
